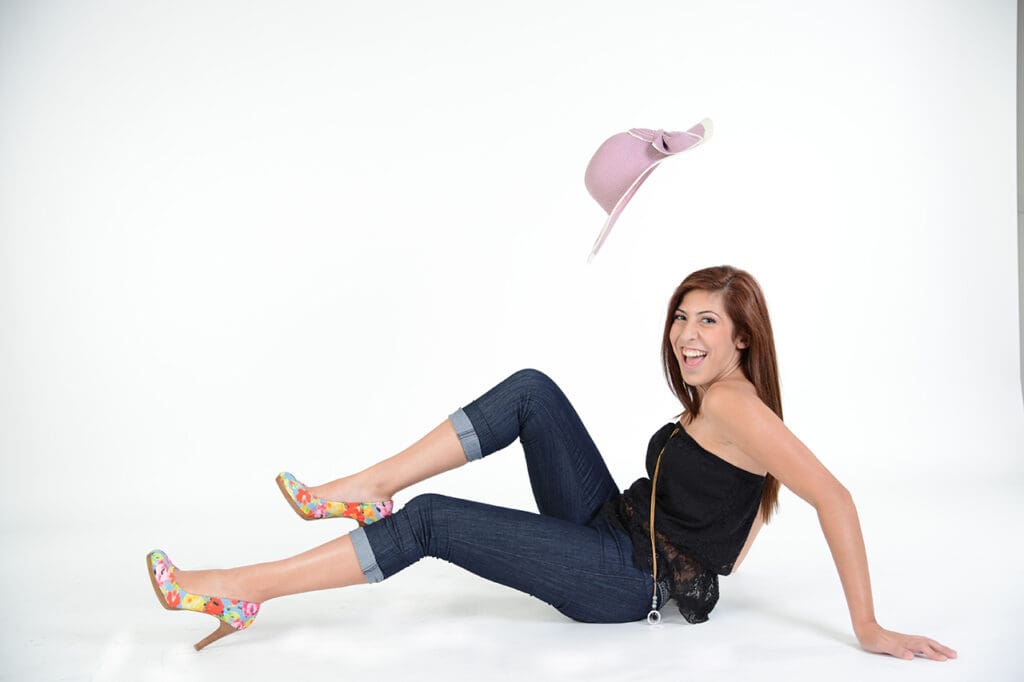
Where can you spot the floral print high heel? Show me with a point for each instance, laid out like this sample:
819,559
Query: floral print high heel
233,614
309,506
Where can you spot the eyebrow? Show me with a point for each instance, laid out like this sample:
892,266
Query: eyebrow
680,310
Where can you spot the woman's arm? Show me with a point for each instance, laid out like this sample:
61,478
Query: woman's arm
841,526
755,429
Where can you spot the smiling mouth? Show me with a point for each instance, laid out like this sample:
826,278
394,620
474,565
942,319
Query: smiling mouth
695,361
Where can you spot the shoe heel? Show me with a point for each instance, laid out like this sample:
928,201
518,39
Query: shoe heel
222,631
233,614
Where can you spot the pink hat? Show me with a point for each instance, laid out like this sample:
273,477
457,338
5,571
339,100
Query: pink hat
623,162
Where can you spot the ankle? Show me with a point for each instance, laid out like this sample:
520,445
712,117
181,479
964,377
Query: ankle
249,583
375,489
361,487
217,582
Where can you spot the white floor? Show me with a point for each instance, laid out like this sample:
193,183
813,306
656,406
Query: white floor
78,606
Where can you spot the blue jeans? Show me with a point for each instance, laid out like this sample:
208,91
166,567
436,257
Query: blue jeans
567,555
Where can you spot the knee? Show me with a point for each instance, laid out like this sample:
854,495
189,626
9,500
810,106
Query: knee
430,510
535,389
533,382
428,516
423,504
530,376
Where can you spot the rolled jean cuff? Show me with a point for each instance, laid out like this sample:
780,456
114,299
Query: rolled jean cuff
364,554
467,435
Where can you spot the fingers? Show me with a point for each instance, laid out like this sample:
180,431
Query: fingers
906,647
941,648
926,647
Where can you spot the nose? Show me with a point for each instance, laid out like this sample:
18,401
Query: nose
690,330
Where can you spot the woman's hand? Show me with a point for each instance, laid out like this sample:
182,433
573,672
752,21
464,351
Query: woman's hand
879,640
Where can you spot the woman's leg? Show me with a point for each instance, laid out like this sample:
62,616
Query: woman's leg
569,478
332,564
587,572
436,452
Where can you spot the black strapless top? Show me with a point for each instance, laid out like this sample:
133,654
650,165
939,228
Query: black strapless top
703,515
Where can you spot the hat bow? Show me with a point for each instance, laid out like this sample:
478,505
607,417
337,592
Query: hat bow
667,142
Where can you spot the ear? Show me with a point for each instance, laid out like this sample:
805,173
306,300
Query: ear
741,344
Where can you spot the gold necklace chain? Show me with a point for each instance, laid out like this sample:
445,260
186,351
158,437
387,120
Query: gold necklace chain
654,616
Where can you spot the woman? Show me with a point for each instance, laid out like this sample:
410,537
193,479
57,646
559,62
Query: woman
589,552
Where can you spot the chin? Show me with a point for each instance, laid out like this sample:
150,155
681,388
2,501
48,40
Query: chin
691,380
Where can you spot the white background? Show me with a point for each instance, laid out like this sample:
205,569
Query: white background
243,237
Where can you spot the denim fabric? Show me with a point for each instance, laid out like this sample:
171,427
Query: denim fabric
567,555
467,435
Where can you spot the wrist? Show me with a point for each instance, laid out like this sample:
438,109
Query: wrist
861,628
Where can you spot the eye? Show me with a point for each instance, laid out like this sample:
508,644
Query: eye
682,318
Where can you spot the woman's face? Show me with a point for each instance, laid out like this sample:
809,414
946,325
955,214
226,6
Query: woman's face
702,327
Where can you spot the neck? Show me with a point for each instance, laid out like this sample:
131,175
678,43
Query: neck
703,390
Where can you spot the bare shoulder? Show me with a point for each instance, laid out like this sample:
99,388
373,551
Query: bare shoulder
735,412
727,403
741,416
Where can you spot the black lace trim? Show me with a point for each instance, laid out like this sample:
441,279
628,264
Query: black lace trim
694,588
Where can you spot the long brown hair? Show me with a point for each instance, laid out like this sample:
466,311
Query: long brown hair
745,306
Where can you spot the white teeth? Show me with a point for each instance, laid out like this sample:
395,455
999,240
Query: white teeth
694,353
